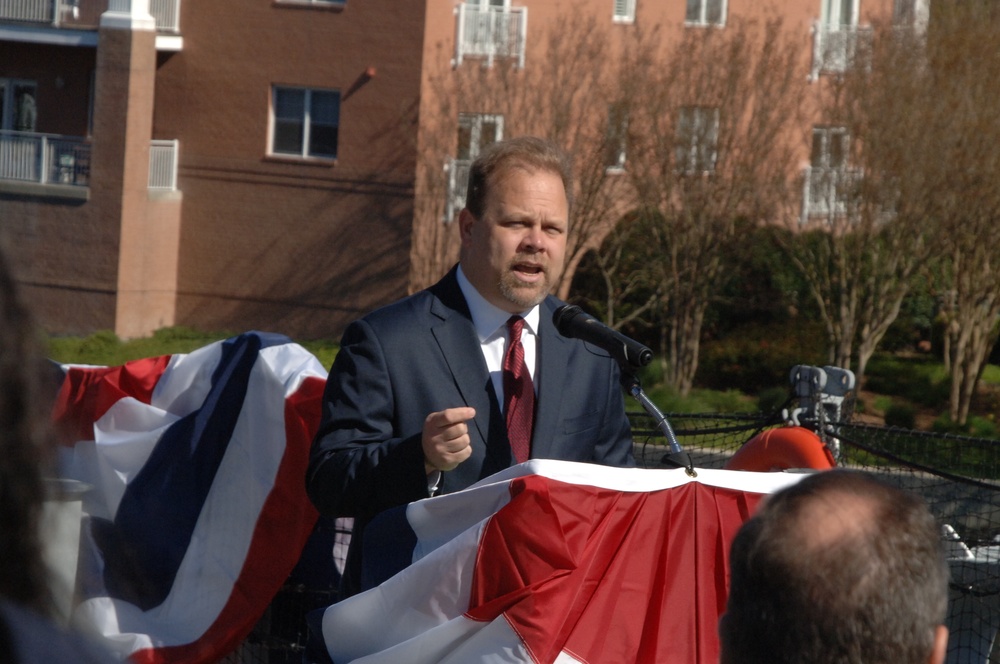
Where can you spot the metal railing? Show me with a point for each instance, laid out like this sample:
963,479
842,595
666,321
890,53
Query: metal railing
44,158
491,32
835,46
167,14
54,159
29,11
829,192
57,13
163,165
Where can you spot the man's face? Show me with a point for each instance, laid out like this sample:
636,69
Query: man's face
514,254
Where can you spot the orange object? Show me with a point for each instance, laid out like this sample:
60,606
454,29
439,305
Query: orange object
782,449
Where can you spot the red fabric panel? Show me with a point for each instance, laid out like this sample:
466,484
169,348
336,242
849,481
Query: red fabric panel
610,576
87,393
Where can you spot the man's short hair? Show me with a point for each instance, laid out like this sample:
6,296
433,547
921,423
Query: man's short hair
526,152
840,567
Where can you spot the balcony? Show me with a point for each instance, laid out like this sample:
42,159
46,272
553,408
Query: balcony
458,182
836,46
49,159
490,33
829,192
44,158
82,14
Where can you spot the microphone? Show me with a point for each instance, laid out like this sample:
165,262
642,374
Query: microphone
572,322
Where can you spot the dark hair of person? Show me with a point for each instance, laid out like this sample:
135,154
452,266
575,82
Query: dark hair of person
840,567
24,451
525,152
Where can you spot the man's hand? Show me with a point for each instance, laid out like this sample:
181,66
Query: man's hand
445,439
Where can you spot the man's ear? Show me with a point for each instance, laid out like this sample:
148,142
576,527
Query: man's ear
940,645
465,221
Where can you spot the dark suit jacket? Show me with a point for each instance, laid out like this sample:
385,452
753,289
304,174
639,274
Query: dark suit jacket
420,355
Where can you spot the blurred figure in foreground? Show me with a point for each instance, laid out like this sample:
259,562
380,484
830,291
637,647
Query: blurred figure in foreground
838,568
28,632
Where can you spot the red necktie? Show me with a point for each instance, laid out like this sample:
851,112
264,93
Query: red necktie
518,393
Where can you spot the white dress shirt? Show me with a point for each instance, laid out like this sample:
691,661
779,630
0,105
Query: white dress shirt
491,327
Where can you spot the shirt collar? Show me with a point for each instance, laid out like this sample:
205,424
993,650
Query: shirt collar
488,318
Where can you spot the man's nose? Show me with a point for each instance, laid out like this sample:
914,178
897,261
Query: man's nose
533,240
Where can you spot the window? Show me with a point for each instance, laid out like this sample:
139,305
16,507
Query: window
624,11
839,14
830,183
705,12
697,137
616,140
829,147
491,29
18,105
305,122
475,132
837,36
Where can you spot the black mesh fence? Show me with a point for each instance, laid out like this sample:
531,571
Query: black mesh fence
958,476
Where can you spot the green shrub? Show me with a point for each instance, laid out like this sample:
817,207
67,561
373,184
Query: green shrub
883,402
698,401
759,357
773,398
919,380
976,426
901,415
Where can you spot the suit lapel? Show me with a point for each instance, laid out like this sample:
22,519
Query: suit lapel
553,353
458,343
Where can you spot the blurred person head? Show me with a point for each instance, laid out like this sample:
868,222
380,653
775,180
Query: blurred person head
26,452
840,567
516,221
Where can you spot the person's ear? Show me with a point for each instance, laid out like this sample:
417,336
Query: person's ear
940,645
465,221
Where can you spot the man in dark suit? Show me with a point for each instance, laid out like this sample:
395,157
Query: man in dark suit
415,403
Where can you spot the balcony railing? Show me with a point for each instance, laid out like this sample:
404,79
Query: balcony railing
65,160
44,158
83,13
491,32
829,192
163,165
836,46
458,183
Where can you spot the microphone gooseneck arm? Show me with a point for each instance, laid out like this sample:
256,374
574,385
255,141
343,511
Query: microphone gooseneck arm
631,356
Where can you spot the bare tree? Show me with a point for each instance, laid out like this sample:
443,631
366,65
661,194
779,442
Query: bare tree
568,96
870,238
963,170
711,142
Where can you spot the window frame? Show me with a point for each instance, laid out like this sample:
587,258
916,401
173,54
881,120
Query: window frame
836,8
616,155
830,179
823,156
702,20
458,166
9,114
307,125
692,154
475,123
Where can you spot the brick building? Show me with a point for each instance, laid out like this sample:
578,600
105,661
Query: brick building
269,164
